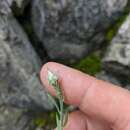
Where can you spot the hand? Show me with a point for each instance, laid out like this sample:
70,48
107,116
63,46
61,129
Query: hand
102,106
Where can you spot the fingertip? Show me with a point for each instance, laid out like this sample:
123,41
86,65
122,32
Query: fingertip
73,83
43,71
43,76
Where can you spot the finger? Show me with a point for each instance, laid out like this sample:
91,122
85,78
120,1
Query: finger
94,97
94,124
76,121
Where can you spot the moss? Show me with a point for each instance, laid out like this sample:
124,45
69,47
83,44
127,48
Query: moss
90,64
114,28
39,122
43,120
112,31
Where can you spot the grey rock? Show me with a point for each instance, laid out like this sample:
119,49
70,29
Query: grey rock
109,78
71,29
117,57
4,6
18,6
127,87
19,3
19,67
14,119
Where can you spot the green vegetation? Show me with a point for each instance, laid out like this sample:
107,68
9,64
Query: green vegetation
90,64
114,28
40,122
59,103
44,119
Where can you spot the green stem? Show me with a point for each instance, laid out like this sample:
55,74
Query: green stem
61,114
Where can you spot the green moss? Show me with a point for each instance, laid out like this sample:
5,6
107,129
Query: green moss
52,115
112,31
90,64
39,122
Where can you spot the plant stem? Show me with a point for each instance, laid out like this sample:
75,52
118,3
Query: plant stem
61,113
53,80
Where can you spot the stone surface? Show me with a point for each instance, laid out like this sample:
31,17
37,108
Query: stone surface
19,3
117,58
17,6
127,87
14,119
19,66
71,29
109,78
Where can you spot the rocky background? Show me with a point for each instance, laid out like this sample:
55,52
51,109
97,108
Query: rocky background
90,35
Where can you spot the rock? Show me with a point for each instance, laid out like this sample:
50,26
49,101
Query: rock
71,29
4,6
14,119
19,3
117,57
19,67
127,87
109,78
16,5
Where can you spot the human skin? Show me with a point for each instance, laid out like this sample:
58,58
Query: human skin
102,106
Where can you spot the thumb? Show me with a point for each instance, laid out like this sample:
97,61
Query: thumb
96,98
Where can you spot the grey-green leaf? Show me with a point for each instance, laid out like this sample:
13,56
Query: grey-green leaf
53,102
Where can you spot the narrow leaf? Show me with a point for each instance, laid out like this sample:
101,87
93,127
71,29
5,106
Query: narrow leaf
54,102
58,122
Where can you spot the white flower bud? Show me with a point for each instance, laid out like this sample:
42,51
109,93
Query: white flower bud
52,78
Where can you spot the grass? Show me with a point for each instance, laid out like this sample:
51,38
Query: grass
61,113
